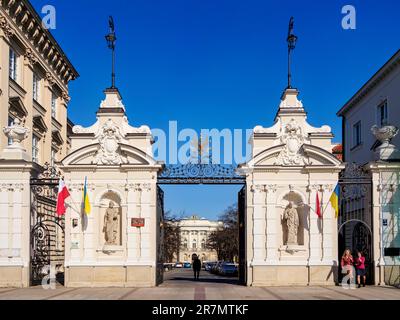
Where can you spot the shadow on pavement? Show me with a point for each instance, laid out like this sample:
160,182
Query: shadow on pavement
205,279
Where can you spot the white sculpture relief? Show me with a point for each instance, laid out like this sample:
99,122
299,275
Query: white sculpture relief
293,139
109,138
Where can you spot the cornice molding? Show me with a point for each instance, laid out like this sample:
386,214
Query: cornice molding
19,17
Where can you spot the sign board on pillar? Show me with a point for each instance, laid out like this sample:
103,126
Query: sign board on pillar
137,222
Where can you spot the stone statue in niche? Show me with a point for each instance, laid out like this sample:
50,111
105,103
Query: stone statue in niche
111,225
291,217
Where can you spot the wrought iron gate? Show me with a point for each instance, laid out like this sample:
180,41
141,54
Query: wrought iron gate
242,236
160,240
47,229
355,219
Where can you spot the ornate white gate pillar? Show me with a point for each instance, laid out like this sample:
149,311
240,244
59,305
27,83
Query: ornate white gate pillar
292,161
16,170
385,215
115,244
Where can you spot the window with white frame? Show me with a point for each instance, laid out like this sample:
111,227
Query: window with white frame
35,148
357,134
194,244
36,86
383,114
13,65
53,105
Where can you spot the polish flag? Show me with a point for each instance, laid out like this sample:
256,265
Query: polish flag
63,194
318,207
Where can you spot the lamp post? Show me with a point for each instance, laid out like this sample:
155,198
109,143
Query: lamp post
111,39
291,40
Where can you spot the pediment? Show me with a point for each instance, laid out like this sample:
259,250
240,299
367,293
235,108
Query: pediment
87,156
312,156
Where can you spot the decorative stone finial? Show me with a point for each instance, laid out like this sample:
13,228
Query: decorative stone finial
386,151
16,133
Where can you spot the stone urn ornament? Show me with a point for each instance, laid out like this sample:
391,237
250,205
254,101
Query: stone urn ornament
385,135
16,133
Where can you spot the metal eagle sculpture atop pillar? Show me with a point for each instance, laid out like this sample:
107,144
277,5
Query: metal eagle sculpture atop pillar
111,39
291,40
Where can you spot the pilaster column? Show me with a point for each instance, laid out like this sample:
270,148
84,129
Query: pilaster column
315,227
327,227
133,234
146,233
6,32
73,234
272,226
259,223
90,222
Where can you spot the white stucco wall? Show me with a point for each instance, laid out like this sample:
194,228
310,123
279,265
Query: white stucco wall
366,111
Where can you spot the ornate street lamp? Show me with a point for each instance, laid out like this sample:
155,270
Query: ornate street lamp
111,39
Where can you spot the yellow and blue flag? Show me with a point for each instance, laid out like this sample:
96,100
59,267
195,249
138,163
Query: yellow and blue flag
86,202
335,200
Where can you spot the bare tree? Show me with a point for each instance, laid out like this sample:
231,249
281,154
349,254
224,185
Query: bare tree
172,237
225,240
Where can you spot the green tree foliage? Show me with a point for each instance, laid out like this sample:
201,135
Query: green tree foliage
225,240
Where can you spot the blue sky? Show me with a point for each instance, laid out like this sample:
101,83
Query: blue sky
220,64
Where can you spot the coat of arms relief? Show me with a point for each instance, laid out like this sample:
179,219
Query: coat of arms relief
109,137
293,138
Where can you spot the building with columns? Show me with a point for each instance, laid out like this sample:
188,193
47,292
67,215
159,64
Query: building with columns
195,232
34,78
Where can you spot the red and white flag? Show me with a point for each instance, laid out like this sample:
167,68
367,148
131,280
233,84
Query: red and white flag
318,210
63,194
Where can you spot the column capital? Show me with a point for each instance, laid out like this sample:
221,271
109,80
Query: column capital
258,188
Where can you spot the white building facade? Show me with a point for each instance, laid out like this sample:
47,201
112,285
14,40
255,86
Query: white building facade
195,232
371,119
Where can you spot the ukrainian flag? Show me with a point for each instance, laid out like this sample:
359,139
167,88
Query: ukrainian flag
86,202
335,200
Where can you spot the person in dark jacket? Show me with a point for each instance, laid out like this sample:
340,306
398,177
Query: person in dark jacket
196,267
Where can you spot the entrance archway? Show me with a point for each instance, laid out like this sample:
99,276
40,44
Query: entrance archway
211,174
356,235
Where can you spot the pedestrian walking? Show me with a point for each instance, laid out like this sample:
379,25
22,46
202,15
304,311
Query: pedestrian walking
196,267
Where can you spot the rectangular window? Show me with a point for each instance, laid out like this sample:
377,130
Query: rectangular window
383,114
53,105
357,134
13,65
36,86
53,157
35,148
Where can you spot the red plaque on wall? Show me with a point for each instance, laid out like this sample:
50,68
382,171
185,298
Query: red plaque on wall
137,222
